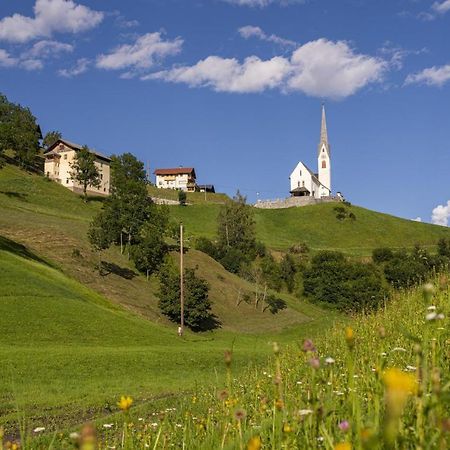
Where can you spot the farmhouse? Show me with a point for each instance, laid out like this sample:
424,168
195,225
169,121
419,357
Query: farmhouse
182,178
58,160
305,182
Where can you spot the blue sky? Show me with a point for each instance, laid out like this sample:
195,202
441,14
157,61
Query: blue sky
234,88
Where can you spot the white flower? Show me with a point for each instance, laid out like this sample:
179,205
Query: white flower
431,316
399,349
432,308
154,424
305,412
411,368
384,354
108,425
329,360
74,436
39,429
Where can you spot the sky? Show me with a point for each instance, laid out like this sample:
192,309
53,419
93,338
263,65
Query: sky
234,88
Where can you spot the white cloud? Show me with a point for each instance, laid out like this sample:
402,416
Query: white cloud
6,60
262,3
324,68
417,219
432,76
319,68
143,54
252,31
31,64
49,16
80,67
441,7
441,214
229,75
48,49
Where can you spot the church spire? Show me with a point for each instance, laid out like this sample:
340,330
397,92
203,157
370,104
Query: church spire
323,129
323,132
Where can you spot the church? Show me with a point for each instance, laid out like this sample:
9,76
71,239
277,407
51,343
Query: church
305,182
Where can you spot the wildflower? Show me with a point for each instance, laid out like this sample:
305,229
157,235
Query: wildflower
108,425
125,403
329,360
308,346
222,395
350,337
254,443
287,428
39,429
411,368
74,436
88,437
428,290
279,404
399,349
434,316
399,386
314,363
344,426
240,414
343,446
432,308
276,348
305,412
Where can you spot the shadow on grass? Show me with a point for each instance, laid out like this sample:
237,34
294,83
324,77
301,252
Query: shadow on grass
20,250
106,268
15,195
209,324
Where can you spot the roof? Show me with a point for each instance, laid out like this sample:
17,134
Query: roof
175,171
206,187
299,189
73,146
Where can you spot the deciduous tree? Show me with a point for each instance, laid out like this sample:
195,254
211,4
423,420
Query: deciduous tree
84,170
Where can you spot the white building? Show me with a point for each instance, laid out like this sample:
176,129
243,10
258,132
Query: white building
180,178
305,182
59,158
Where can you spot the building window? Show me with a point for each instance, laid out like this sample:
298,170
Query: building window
300,173
48,174
67,181
324,164
65,156
104,189
101,176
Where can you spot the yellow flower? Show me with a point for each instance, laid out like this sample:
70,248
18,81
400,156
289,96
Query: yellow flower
350,337
287,428
254,443
279,405
125,403
397,381
343,446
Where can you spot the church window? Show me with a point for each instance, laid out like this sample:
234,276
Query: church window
324,164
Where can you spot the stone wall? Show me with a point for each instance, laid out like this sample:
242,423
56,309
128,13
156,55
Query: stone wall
291,202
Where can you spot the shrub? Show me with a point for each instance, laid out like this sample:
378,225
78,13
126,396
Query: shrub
274,304
382,254
346,285
233,259
182,198
207,246
299,249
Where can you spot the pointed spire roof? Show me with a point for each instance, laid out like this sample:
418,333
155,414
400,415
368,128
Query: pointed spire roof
323,131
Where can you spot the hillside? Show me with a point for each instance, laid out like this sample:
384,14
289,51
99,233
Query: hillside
68,351
53,222
318,226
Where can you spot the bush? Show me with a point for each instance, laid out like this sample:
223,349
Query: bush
299,249
382,254
274,304
233,259
346,285
182,198
207,246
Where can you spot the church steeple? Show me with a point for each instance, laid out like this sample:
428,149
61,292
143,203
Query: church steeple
324,158
323,132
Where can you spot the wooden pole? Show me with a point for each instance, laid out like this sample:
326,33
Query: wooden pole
181,281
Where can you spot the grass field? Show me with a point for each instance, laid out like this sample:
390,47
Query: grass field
73,340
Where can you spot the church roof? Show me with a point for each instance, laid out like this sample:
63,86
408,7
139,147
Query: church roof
299,189
324,132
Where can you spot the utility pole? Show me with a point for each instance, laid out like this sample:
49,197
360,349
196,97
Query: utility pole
181,330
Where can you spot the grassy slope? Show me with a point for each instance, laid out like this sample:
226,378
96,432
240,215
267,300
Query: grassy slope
53,222
318,227
192,197
67,350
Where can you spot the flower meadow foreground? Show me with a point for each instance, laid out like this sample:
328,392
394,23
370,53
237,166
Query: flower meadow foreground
383,382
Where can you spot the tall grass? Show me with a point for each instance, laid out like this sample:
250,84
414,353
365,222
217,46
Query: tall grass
384,383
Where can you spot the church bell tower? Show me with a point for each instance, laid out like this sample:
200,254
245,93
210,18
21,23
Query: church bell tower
324,158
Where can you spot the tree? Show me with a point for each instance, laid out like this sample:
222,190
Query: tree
288,269
236,228
84,171
182,198
19,132
197,306
148,253
50,138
